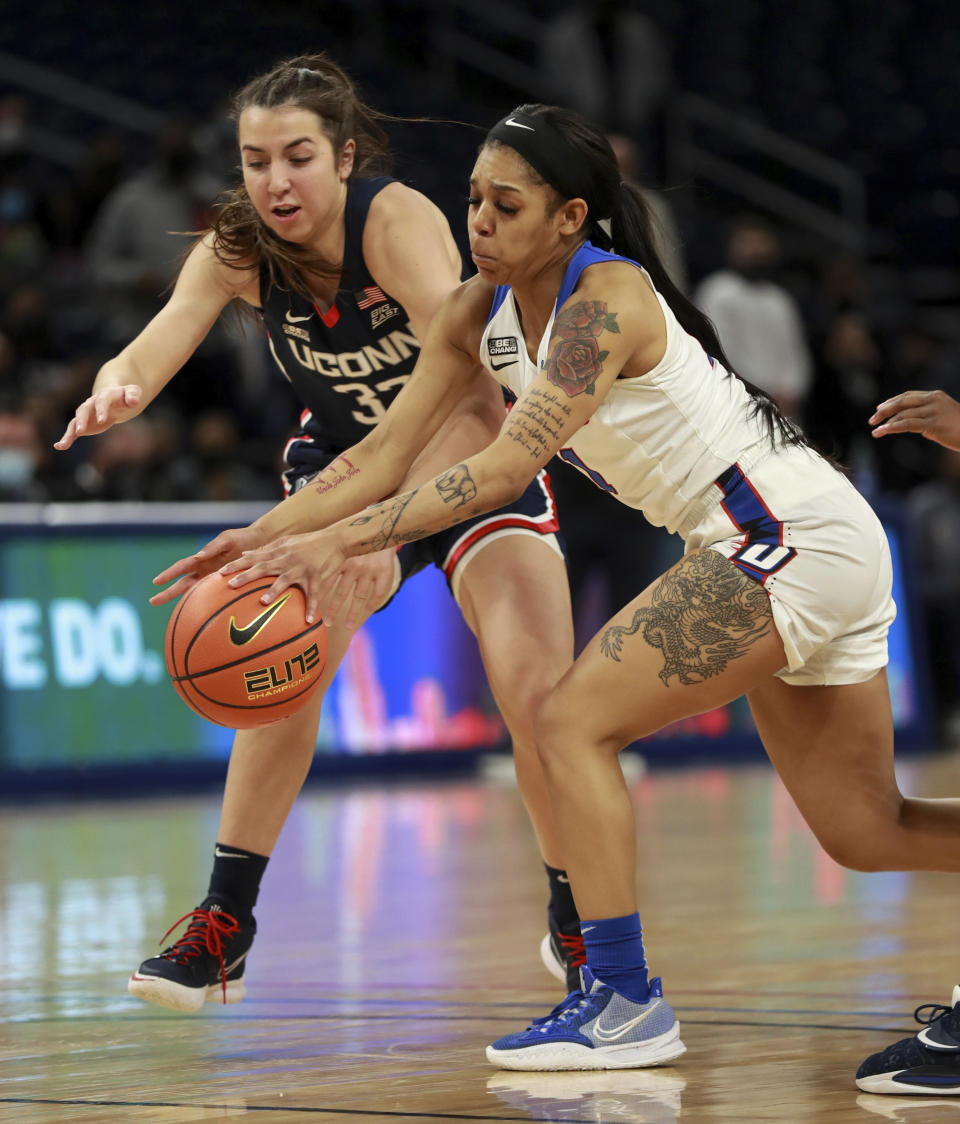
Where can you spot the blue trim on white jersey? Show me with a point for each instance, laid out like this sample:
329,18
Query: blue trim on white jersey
567,454
588,254
499,296
762,552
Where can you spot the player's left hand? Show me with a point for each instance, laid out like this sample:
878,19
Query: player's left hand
364,583
313,561
188,571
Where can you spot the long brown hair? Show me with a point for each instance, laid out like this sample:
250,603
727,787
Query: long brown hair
316,83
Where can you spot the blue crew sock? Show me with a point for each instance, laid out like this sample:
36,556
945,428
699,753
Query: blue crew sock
615,954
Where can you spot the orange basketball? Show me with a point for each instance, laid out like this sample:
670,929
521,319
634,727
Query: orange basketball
241,663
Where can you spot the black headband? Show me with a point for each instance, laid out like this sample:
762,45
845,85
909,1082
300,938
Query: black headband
547,151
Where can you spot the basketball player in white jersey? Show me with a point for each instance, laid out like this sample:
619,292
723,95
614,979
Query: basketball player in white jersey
783,593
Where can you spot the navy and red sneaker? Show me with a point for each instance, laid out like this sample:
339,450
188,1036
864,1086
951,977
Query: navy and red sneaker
562,951
207,962
928,1063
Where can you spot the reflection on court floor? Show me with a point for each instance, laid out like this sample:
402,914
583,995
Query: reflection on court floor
398,934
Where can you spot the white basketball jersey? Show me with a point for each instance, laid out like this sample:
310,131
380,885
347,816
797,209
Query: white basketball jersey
657,442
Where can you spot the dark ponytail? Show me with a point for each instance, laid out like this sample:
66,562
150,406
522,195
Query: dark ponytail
591,172
632,235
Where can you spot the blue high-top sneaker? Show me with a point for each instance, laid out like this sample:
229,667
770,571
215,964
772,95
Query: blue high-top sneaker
928,1063
595,1028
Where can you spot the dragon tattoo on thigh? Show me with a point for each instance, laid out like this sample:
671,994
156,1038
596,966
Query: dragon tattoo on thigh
705,613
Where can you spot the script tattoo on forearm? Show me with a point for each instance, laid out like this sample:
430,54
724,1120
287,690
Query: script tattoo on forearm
383,518
537,420
705,614
575,360
456,486
334,475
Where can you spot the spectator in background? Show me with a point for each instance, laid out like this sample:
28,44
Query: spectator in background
133,261
214,466
850,376
20,454
934,517
22,249
135,250
757,319
669,242
608,61
120,466
68,206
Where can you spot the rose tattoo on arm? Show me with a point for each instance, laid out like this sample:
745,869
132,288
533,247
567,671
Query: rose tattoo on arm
575,360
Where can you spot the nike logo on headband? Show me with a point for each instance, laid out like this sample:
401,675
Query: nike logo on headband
517,125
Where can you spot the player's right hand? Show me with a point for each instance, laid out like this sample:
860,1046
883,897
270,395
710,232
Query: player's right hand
100,411
188,571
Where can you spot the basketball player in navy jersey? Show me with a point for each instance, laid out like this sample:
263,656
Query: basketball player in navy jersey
345,268
783,593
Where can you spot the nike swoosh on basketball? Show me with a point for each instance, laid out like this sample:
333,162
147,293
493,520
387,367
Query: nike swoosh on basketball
500,366
517,125
624,1028
291,319
244,635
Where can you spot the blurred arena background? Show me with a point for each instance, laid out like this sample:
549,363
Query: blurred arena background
804,156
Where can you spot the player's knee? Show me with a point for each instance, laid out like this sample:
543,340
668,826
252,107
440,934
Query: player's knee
522,697
854,847
565,729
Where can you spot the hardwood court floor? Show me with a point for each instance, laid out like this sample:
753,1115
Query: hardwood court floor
399,928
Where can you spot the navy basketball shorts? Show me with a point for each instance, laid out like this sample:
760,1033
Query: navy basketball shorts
452,550
801,530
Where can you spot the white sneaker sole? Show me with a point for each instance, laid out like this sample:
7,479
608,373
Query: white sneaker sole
884,1083
166,993
550,961
571,1055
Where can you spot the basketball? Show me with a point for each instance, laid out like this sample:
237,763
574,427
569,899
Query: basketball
238,662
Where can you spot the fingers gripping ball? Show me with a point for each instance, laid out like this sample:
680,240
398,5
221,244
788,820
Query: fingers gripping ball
238,662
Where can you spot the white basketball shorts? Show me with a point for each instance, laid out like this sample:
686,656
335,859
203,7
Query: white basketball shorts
799,528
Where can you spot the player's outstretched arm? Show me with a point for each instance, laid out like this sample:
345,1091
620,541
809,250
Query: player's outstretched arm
578,373
932,413
444,380
446,377
126,384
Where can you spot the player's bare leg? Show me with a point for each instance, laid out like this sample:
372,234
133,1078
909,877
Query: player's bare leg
266,772
699,636
515,596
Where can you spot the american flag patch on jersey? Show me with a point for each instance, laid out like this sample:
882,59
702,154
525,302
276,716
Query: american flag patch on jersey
372,295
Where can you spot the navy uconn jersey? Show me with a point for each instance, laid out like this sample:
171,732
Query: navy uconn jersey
347,365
